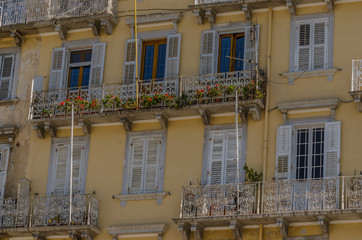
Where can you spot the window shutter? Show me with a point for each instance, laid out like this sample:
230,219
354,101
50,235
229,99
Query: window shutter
302,51
57,72
151,173
78,150
61,166
332,142
217,145
4,159
173,56
251,46
208,51
231,162
320,47
98,55
137,156
129,72
6,76
283,152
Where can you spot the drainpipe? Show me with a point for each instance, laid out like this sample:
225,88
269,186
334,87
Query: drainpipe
266,122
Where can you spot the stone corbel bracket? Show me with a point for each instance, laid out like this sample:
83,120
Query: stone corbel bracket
86,235
74,235
38,236
40,131
210,13
86,126
107,26
62,31
283,224
198,230
185,230
248,12
357,97
162,118
18,37
324,224
292,7
243,113
127,124
200,16
205,115
236,228
96,27
255,112
51,129
330,5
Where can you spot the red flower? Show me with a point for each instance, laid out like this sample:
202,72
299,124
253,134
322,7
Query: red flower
166,94
150,99
202,90
62,103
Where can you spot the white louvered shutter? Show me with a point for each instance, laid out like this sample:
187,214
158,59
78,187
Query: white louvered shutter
208,52
78,151
173,55
4,160
137,156
61,166
216,157
303,48
129,72
7,69
57,72
251,46
283,152
151,164
332,142
230,161
320,45
98,56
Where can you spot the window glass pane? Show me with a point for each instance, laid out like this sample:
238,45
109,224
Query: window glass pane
74,77
87,56
76,57
148,62
224,52
239,53
317,152
161,61
302,153
85,80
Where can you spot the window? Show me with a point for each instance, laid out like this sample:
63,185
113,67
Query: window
159,59
80,67
312,42
4,160
145,156
153,60
59,169
308,150
220,156
229,52
7,63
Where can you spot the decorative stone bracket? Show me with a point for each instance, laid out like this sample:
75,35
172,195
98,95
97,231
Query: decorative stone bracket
86,126
292,6
40,129
283,224
330,5
18,37
162,118
324,224
62,31
184,229
198,230
247,11
236,228
205,115
357,96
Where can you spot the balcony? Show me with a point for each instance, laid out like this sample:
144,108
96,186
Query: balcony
356,87
48,216
21,17
177,97
278,202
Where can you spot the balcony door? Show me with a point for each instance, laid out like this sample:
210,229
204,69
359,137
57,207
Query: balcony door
79,68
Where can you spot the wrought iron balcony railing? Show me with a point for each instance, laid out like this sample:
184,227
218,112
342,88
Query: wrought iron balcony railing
31,11
48,211
165,93
356,75
285,196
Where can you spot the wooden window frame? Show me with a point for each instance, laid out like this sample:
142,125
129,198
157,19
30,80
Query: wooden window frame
155,43
233,36
80,64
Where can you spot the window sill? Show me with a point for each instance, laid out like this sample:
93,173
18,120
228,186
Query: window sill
7,102
142,196
313,73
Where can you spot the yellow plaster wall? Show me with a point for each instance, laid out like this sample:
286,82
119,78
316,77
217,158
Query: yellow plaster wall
185,138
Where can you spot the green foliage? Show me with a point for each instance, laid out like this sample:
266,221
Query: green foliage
251,175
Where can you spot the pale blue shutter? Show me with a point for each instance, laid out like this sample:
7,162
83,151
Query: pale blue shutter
98,56
332,142
208,52
251,46
283,152
173,56
58,72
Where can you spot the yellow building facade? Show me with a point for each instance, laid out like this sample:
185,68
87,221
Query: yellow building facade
157,153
